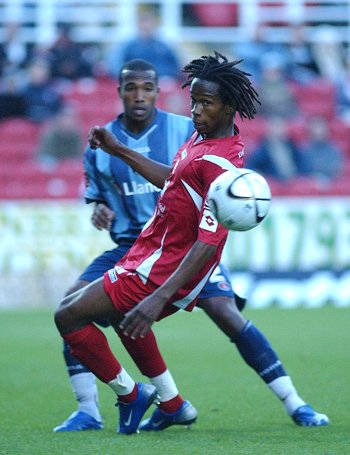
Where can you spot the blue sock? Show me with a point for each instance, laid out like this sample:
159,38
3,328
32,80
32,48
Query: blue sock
73,364
258,353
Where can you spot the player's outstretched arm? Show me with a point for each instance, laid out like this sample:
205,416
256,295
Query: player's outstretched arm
138,321
154,172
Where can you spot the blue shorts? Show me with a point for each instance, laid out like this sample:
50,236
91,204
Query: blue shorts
219,283
106,261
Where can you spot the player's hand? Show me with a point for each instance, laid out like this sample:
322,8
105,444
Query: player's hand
100,137
102,217
138,321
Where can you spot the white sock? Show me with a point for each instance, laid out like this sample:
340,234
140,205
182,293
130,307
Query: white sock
85,391
284,389
123,384
165,385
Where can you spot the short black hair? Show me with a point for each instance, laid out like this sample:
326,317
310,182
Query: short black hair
138,64
235,88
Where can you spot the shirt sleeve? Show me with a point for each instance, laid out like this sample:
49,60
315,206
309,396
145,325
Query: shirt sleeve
92,189
210,231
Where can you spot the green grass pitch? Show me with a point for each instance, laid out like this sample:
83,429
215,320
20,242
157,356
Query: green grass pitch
237,413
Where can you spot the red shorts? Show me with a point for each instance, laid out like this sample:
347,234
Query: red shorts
126,290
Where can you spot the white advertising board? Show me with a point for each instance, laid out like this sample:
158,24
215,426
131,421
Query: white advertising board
301,252
298,234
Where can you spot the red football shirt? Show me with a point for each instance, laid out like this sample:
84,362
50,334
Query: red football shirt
182,216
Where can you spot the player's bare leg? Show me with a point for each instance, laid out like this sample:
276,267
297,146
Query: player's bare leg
87,416
74,320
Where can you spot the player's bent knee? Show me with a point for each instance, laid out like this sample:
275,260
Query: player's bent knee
59,319
63,316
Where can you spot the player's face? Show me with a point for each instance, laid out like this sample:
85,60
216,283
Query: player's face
138,91
211,117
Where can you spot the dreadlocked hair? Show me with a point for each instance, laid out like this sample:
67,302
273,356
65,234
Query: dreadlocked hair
235,88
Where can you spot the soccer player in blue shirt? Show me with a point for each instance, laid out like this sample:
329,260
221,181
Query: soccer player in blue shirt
124,201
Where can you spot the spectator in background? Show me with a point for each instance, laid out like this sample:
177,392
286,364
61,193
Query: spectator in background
343,92
148,46
14,53
254,49
329,53
276,96
69,60
277,156
12,102
61,138
42,100
301,64
323,159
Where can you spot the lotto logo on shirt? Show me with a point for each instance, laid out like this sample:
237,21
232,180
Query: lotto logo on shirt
208,222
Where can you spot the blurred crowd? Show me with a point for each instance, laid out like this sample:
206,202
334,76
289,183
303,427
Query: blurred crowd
289,77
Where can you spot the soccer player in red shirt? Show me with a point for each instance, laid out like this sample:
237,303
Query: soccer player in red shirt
178,248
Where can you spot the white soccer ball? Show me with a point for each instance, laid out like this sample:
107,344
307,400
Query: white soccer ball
239,199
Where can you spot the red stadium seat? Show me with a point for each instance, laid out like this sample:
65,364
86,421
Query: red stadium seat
216,14
20,130
340,132
305,186
92,89
29,180
346,171
96,101
15,153
252,132
297,129
317,98
53,189
172,98
340,187
19,140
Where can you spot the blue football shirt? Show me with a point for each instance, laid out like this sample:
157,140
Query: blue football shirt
126,192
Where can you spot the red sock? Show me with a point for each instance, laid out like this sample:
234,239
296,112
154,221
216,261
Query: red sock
145,353
130,396
90,346
172,405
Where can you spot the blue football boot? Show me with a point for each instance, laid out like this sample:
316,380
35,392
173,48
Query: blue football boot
306,416
79,421
160,420
130,414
